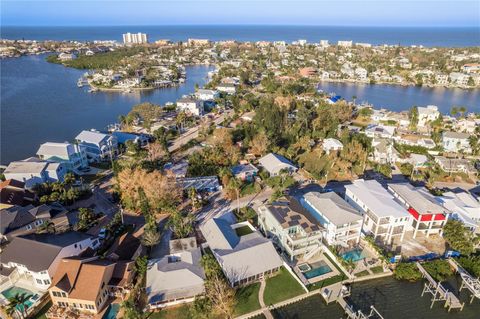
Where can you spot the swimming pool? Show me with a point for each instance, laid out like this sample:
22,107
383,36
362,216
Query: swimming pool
13,291
353,255
112,311
315,269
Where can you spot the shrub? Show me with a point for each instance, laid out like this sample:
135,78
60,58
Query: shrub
407,271
439,269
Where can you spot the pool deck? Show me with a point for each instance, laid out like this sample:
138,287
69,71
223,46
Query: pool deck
315,259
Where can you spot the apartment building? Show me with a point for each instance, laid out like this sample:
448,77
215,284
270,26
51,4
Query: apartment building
135,38
384,217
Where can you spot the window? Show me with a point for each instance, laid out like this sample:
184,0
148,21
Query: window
38,281
28,227
46,282
55,294
75,246
64,295
103,285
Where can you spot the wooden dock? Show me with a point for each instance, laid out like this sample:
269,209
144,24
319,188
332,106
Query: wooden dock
468,281
439,292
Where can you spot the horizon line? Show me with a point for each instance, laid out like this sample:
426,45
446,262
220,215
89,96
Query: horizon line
241,25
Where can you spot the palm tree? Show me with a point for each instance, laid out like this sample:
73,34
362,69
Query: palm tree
462,110
47,227
17,304
151,236
454,111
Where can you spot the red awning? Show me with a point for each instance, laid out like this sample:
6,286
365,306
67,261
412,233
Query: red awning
425,217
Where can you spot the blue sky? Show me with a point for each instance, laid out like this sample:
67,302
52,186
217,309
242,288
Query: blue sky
283,12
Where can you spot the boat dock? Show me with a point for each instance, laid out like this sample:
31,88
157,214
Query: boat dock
468,281
439,292
337,293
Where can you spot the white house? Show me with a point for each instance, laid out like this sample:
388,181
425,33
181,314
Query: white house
228,88
361,73
274,164
345,44
66,56
192,106
456,142
98,146
71,155
207,95
331,144
36,256
384,217
33,171
383,151
342,222
464,207
291,227
380,131
427,114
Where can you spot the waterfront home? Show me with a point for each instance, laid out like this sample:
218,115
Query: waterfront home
13,192
471,67
190,105
459,78
72,156
18,220
380,131
331,144
383,151
464,207
207,95
228,88
415,140
427,114
85,284
346,44
201,184
244,258
98,146
455,165
291,227
342,222
177,277
33,171
35,258
428,216
456,142
124,137
244,172
384,218
467,125
274,164
66,56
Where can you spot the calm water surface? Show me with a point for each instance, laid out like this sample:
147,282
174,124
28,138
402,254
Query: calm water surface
41,102
438,36
393,299
399,98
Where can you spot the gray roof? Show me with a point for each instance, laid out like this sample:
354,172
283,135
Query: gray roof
244,168
200,183
58,149
239,257
274,163
38,251
418,198
15,217
456,135
175,276
333,207
91,137
22,167
377,199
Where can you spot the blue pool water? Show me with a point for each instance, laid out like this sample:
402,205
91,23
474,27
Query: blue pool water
353,255
112,311
316,271
12,291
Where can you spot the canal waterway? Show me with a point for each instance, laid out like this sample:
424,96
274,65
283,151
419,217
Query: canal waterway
41,102
392,298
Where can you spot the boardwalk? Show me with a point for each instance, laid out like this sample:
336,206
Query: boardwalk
439,292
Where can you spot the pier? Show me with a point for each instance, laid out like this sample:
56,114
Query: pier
468,281
337,293
439,292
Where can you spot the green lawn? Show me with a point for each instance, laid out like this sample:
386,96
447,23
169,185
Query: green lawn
281,287
180,312
377,269
247,299
362,273
244,230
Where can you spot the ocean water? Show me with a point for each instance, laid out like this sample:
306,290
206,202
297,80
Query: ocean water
439,36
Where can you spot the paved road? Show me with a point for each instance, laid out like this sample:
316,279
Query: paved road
219,206
192,133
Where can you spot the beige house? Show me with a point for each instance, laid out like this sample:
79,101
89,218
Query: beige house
84,285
